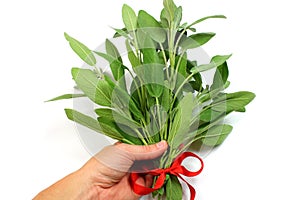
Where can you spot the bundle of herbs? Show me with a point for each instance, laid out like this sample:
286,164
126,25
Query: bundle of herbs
165,97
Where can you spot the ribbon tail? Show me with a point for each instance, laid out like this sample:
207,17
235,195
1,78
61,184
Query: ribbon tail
192,189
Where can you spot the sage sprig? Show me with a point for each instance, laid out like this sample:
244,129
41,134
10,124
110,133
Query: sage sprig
166,98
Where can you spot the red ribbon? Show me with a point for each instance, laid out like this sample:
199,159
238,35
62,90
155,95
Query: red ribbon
175,169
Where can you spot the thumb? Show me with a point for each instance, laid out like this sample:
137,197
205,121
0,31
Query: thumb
144,152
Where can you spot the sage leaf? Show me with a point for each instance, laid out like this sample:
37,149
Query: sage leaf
154,77
166,97
149,51
134,60
98,90
173,188
210,115
205,18
216,135
81,50
233,101
220,59
67,96
164,19
92,124
170,9
197,83
119,118
182,66
216,61
177,16
151,26
126,103
112,50
220,77
121,32
196,40
116,65
127,133
129,18
182,119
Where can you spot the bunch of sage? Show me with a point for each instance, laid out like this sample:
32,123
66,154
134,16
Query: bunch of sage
166,97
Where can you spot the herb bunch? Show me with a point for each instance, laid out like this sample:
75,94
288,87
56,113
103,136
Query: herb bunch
166,98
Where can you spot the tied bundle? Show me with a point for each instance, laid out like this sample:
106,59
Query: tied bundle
158,91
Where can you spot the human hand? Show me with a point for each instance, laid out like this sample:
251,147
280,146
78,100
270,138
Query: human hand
109,169
105,176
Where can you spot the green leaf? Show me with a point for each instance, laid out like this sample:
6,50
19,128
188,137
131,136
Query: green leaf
119,118
216,135
210,115
81,50
151,26
197,83
216,61
220,60
134,60
67,96
108,57
182,66
98,90
166,97
92,124
112,50
154,79
196,40
170,9
116,66
205,18
233,101
164,19
129,18
105,112
124,102
173,188
121,32
178,16
220,77
126,132
149,51
182,120
152,71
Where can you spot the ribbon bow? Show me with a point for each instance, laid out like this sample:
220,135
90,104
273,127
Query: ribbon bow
175,169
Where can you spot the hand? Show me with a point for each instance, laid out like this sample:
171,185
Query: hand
105,176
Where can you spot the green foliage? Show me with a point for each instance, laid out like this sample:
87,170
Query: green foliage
196,40
129,18
81,50
173,188
98,90
150,25
67,96
216,135
116,64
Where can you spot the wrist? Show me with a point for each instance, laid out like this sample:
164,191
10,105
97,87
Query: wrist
87,187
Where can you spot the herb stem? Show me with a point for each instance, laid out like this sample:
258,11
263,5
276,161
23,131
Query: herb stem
165,59
179,88
159,116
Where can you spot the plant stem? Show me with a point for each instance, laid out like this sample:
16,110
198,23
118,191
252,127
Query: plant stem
165,59
179,88
159,116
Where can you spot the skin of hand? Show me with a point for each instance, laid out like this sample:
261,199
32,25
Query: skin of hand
105,175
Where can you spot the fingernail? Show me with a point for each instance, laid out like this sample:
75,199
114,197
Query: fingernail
161,144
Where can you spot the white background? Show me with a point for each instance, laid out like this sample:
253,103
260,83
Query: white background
38,145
